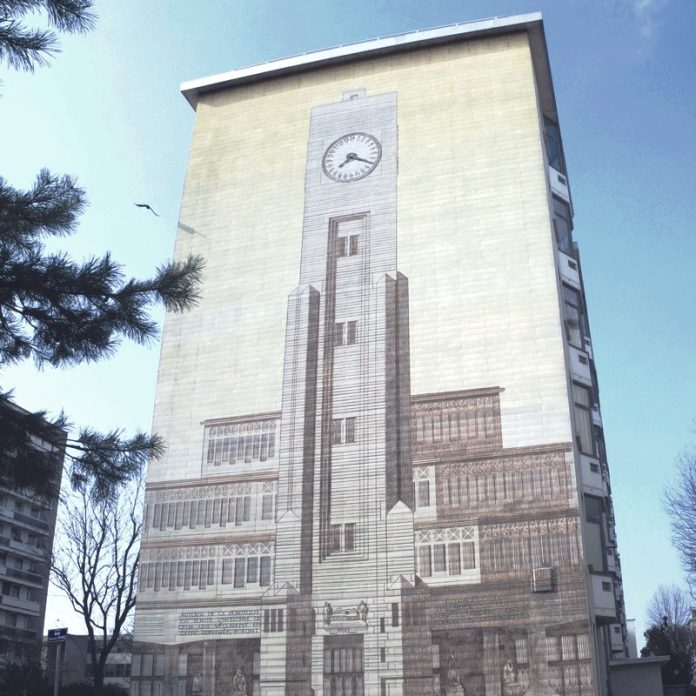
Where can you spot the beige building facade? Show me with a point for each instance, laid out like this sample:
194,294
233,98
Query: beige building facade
385,470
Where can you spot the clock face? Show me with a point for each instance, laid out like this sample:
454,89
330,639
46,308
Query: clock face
352,157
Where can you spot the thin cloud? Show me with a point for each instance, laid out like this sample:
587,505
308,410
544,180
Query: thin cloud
647,11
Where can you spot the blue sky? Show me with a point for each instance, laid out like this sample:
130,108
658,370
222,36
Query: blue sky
109,111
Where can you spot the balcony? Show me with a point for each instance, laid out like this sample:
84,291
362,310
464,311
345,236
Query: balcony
616,638
23,606
32,522
580,366
591,475
596,416
22,549
568,268
24,575
603,598
588,346
559,184
18,633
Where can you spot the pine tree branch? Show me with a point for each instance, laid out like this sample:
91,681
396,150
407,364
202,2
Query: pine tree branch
73,16
23,48
52,206
99,463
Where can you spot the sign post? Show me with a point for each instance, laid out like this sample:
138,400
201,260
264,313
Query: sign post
57,636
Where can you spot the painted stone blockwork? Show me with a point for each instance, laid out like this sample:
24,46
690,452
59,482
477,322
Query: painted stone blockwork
374,482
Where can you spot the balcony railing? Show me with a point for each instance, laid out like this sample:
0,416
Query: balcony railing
23,605
24,575
14,632
24,549
32,521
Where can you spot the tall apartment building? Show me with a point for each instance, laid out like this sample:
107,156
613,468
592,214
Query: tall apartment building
387,476
27,525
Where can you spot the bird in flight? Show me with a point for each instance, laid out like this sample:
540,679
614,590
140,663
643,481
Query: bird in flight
145,205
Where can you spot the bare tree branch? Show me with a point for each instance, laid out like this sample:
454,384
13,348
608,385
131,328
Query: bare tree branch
97,567
680,503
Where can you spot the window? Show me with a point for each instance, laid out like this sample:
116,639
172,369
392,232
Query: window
439,555
239,571
347,246
478,419
252,570
423,498
562,225
446,559
335,538
574,317
337,431
10,590
227,448
600,449
227,568
343,431
342,537
273,620
345,333
343,670
147,665
554,149
568,651
267,506
265,571
350,430
468,555
455,559
583,418
395,614
521,651
424,565
594,528
349,536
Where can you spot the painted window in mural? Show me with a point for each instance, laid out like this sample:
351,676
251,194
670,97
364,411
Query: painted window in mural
343,431
343,671
345,333
347,246
446,552
228,449
232,505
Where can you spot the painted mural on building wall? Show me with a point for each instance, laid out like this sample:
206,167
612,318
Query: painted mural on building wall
363,540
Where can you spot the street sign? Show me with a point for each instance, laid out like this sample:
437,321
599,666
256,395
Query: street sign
57,635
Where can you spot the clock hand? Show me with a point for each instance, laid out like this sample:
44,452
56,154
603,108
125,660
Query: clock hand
349,158
352,157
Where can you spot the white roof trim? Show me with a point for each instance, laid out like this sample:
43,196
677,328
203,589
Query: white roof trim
388,44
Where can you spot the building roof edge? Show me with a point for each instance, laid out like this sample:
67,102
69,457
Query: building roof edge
373,47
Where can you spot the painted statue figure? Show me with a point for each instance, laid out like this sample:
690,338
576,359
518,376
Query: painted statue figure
239,687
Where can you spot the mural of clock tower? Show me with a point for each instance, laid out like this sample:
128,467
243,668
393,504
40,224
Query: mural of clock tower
345,467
